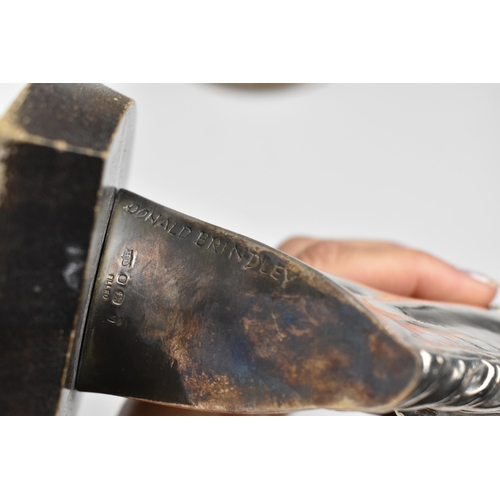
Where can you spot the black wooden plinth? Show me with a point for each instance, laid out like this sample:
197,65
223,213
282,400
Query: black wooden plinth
63,150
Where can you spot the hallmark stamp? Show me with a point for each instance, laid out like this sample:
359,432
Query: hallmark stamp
122,279
127,256
118,297
107,286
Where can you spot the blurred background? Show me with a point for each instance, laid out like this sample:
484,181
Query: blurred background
416,164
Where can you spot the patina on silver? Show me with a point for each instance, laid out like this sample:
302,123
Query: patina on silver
189,314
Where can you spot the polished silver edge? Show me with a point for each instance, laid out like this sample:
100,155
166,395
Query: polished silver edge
453,384
68,398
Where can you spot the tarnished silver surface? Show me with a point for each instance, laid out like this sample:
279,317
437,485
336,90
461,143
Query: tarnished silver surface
459,347
188,314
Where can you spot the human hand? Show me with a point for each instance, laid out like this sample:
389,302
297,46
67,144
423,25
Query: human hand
386,266
394,269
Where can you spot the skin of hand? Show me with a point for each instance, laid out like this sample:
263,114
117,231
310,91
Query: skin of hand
394,269
386,266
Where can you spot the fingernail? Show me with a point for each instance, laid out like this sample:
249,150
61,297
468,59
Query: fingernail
481,278
495,303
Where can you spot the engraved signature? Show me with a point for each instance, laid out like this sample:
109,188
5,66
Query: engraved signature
211,242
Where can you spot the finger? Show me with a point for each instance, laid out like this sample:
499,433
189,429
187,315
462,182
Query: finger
398,270
294,246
